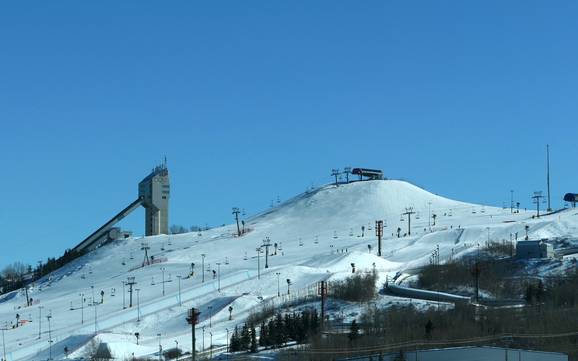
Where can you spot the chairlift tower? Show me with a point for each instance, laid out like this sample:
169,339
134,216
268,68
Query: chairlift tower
536,199
347,171
408,212
236,212
335,173
145,247
130,282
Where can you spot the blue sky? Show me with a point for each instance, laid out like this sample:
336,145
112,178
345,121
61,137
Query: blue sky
250,100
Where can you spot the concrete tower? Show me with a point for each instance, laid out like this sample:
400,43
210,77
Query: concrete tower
154,191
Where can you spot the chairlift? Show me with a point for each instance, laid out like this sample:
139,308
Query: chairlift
402,219
417,215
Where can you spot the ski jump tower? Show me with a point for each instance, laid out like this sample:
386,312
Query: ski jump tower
153,195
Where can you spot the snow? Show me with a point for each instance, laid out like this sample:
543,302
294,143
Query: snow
319,236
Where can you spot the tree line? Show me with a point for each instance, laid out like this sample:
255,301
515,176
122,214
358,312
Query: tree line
276,331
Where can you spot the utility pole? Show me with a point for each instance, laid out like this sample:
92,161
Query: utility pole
130,282
203,267
335,173
192,319
236,212
548,174
536,197
379,233
267,243
408,212
347,171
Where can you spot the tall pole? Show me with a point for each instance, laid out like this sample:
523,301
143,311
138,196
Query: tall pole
95,318
323,294
39,323
278,284
548,174
512,201
137,304
49,338
123,296
219,276
82,308
180,299
429,217
266,243
163,271
203,267
4,342
258,263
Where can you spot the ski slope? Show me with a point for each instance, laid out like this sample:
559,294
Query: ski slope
318,235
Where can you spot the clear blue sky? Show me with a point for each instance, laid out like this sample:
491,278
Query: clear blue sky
250,100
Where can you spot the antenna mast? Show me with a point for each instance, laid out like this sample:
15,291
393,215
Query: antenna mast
548,174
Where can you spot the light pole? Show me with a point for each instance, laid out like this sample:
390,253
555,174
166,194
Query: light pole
49,338
39,323
123,296
219,276
137,304
82,308
95,326
180,300
429,217
163,271
278,285
4,342
258,263
211,355
203,337
210,317
203,267
227,340
160,347
288,285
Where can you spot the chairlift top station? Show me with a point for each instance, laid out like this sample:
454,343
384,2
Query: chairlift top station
153,195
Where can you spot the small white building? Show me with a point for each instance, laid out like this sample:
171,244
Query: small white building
534,249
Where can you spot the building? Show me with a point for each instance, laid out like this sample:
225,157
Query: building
478,353
370,174
154,192
534,249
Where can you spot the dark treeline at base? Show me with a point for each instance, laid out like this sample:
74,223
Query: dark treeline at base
276,332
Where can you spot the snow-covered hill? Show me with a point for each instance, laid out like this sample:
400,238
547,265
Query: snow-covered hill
318,235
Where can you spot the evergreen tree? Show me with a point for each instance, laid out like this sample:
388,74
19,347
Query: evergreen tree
353,331
264,336
280,336
245,338
253,339
234,345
